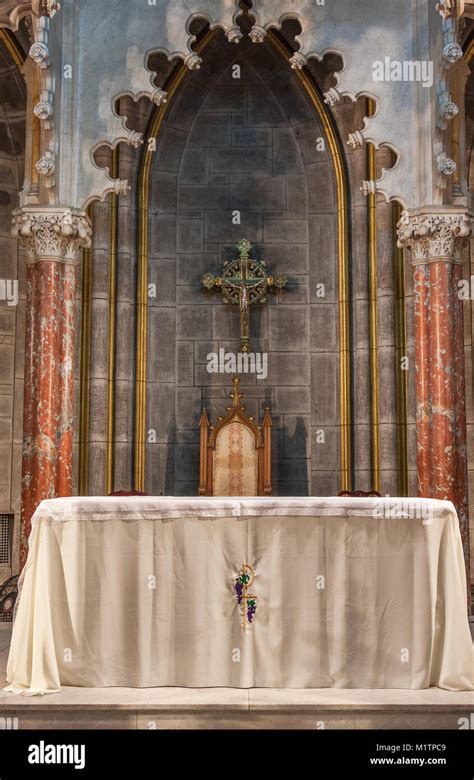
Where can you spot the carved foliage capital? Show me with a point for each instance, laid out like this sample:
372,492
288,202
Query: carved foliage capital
45,7
52,233
433,235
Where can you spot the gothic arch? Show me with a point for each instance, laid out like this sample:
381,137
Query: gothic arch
337,156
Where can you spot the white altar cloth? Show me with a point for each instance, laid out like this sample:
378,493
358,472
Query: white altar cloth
139,592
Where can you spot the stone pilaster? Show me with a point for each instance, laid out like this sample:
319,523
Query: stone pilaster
434,235
52,237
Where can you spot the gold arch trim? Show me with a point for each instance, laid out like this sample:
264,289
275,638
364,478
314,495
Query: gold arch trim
85,359
13,47
373,328
112,325
142,273
400,354
342,189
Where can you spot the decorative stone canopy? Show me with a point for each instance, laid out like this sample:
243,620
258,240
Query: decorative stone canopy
12,11
116,64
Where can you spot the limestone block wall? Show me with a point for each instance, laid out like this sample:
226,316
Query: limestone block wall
245,144
349,117
137,117
221,149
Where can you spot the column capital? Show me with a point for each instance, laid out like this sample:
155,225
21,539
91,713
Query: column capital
434,232
52,233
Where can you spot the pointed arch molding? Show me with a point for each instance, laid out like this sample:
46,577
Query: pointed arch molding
113,45
344,272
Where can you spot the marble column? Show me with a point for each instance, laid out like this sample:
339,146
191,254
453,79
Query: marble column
434,235
52,236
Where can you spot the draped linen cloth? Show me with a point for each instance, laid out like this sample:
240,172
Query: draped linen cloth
139,592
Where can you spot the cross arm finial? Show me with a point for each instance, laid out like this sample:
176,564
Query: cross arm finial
244,246
211,280
236,395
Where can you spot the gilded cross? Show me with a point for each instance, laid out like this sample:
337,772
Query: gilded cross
244,281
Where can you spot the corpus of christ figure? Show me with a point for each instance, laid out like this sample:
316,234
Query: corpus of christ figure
244,281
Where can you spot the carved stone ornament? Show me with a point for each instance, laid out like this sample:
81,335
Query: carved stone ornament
45,8
49,8
368,187
448,8
452,52
356,140
432,235
298,61
193,61
51,233
158,96
257,34
39,52
332,97
43,110
45,165
448,109
135,139
234,35
121,186
446,165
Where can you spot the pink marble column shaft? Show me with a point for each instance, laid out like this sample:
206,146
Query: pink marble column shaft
434,235
49,388
52,237
422,368
442,380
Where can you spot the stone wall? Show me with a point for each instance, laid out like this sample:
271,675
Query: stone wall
202,172
247,144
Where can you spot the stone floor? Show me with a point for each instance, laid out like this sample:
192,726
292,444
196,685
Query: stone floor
233,708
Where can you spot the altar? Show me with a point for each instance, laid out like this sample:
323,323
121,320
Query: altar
242,592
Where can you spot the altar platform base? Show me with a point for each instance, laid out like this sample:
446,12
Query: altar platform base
232,708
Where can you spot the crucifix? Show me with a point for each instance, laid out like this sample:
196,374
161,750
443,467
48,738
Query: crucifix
244,281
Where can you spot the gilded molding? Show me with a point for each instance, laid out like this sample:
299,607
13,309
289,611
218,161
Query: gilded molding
400,354
112,326
14,49
373,324
85,360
